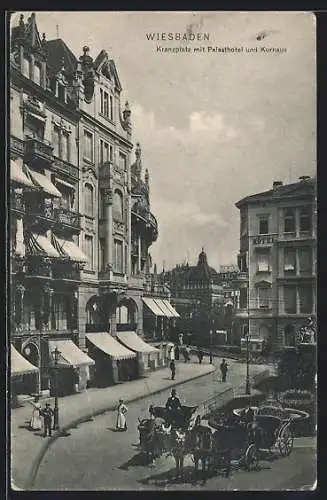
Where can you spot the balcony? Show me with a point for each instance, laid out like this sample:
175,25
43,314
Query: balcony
136,280
65,167
148,218
17,202
36,150
38,267
17,145
68,218
264,240
66,271
296,236
39,213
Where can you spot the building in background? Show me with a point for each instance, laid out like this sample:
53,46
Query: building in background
80,217
277,261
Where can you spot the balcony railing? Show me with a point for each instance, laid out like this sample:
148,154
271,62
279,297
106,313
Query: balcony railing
17,202
136,280
264,239
36,149
67,217
66,271
38,268
65,167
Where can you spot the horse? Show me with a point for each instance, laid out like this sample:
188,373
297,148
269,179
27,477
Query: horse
175,444
199,442
150,439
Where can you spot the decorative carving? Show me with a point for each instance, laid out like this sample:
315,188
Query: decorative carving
108,196
88,70
119,227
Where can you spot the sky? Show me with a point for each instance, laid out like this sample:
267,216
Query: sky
214,127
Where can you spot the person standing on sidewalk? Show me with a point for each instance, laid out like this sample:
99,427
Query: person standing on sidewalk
47,414
224,370
172,369
121,424
200,355
36,420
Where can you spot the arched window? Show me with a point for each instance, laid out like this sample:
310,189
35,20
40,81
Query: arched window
26,67
37,74
88,197
118,205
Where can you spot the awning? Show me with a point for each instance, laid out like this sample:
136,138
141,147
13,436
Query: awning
171,308
134,342
17,175
65,183
69,249
110,346
70,354
45,183
38,244
150,303
160,303
20,365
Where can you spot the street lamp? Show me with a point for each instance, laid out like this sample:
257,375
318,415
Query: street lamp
55,356
210,339
247,386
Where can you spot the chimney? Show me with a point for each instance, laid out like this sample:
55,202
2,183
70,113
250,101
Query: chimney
304,177
276,184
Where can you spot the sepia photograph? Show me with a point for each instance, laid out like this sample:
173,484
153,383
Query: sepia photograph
162,263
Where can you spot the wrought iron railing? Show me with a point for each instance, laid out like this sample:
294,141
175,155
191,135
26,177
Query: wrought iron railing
36,148
67,217
17,202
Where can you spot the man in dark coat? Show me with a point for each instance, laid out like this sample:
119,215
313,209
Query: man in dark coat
173,407
172,369
224,370
47,414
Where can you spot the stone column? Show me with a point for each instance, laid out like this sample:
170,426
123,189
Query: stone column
139,250
46,310
297,222
297,300
21,290
108,201
32,67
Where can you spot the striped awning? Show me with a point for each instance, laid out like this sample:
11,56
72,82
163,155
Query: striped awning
44,182
17,175
110,346
171,308
154,308
69,249
19,365
134,342
160,303
38,244
70,354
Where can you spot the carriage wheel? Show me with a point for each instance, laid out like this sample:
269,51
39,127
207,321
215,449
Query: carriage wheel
251,459
285,443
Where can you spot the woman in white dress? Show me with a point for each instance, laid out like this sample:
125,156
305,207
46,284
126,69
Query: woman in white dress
36,419
121,416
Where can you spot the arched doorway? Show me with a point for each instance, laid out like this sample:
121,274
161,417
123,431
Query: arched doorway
289,335
126,315
94,320
31,383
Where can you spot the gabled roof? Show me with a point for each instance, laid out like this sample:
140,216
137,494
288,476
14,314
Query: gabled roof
56,50
304,187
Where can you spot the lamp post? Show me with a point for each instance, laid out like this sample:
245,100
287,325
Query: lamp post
55,355
247,385
210,340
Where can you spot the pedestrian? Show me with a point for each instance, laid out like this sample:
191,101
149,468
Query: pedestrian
200,355
188,353
36,420
172,369
210,357
47,414
176,352
224,370
121,424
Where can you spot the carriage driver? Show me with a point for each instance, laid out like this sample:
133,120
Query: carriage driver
173,406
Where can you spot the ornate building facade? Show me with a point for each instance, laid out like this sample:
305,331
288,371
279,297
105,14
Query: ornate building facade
80,219
278,261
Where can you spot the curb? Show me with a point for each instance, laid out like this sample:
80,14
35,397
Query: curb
88,417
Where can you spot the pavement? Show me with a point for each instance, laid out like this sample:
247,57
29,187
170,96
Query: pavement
29,448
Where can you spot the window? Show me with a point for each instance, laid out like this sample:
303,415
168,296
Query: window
65,147
305,299
289,261
61,92
305,219
88,145
105,104
111,108
101,254
88,250
88,204
101,203
289,221
33,128
305,260
243,298
59,313
118,205
105,152
118,256
66,200
263,260
56,142
26,67
263,225
37,74
244,223
122,161
290,299
264,297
